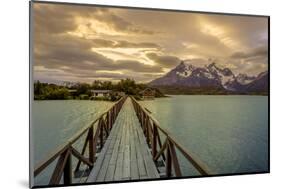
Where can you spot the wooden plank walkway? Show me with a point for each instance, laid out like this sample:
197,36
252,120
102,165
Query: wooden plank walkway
125,155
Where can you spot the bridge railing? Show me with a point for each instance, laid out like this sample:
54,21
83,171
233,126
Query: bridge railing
167,149
96,135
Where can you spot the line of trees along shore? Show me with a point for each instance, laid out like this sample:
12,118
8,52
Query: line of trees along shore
46,91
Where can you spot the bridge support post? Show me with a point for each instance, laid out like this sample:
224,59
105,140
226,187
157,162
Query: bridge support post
154,140
101,133
175,160
91,144
111,118
109,126
168,161
67,172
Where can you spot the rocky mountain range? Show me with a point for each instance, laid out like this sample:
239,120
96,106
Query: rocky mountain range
186,78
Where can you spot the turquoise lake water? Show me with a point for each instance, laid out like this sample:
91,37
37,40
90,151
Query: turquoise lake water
54,122
228,133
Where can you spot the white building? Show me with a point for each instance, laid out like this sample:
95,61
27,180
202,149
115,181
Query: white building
101,93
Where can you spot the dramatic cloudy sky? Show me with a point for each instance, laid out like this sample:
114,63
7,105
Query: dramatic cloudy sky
81,43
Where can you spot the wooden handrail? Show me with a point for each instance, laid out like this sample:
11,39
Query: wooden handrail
94,139
151,129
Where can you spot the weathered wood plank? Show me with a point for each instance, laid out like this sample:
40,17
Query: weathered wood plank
140,161
126,155
119,166
97,166
103,170
112,163
107,155
120,156
134,163
126,164
148,160
141,165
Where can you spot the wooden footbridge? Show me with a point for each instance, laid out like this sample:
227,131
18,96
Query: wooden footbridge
124,143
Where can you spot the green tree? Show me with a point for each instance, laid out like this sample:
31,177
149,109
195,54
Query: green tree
83,88
127,85
96,85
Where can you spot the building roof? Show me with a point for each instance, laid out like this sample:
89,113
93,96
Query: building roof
101,91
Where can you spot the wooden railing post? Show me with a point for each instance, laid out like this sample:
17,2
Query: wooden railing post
95,141
83,151
154,141
67,172
147,130
91,144
114,109
160,144
111,117
168,161
109,120
142,120
101,133
144,125
60,167
175,160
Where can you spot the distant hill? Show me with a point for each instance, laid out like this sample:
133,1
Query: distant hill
211,79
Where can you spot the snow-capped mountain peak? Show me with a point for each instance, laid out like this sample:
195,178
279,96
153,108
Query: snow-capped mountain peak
184,70
245,79
212,75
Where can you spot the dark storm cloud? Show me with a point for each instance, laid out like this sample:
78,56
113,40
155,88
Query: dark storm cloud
61,18
137,66
64,50
45,23
69,53
103,43
257,52
165,61
252,62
